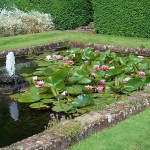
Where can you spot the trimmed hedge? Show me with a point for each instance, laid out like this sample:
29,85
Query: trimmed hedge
6,4
67,14
122,17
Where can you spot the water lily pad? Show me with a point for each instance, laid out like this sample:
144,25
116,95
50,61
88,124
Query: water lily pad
74,90
47,101
39,105
82,100
62,108
132,85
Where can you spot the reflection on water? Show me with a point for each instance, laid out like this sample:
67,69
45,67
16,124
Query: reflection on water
17,121
13,109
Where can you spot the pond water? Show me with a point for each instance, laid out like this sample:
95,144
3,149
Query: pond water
17,120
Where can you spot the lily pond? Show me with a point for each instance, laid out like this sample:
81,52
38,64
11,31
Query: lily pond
70,82
76,81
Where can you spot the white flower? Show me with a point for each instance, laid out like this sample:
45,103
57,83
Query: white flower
64,93
48,57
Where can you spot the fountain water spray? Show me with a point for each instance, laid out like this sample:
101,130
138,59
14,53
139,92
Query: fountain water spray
10,64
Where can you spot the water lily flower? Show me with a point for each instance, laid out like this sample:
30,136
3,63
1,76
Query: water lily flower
70,62
105,68
35,78
57,56
48,57
126,79
101,82
141,73
88,87
96,51
142,57
100,88
65,59
64,93
40,84
112,67
96,67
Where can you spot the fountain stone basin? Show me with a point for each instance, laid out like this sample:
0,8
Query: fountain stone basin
12,84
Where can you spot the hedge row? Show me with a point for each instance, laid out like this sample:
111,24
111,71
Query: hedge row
67,14
122,17
6,3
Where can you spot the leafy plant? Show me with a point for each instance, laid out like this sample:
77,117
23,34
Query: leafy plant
79,80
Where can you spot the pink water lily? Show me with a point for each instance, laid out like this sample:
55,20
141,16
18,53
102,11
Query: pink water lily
126,79
96,51
57,56
88,87
142,57
105,68
101,82
65,59
100,88
70,62
141,73
40,84
96,67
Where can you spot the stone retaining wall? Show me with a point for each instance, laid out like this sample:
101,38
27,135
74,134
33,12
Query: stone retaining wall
65,44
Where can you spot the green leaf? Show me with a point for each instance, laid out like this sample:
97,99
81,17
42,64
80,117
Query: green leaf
82,100
39,73
39,105
113,72
132,85
47,101
74,90
59,76
49,71
84,80
46,96
62,108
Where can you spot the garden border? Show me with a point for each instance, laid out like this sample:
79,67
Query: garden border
90,122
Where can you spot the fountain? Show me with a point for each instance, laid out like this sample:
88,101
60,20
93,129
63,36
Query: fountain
9,81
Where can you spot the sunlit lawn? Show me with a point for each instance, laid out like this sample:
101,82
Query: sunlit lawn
131,134
41,38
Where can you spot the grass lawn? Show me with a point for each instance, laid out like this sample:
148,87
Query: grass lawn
41,38
131,134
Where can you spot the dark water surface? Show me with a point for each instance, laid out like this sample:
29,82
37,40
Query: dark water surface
17,120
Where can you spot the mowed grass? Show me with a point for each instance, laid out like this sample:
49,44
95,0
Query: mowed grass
21,41
131,134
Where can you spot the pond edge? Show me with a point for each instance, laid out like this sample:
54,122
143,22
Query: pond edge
90,122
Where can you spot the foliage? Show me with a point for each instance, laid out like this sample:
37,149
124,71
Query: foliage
79,86
127,18
67,14
15,22
6,4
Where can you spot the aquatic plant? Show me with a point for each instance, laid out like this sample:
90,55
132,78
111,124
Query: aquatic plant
79,80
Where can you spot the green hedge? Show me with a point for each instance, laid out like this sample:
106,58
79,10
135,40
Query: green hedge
6,4
122,17
67,14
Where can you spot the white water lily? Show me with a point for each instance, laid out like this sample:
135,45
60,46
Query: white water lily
64,93
48,57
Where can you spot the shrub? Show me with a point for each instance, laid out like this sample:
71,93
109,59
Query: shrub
6,4
15,22
127,18
67,14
